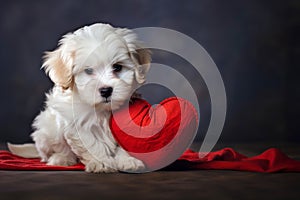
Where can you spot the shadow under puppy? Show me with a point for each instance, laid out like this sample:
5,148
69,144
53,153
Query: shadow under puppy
95,70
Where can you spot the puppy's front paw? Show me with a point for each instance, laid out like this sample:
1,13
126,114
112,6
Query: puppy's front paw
61,160
106,165
130,164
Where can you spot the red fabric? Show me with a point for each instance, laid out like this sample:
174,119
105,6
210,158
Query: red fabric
272,160
8,161
178,120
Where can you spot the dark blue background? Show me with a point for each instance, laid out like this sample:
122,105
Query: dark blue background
255,45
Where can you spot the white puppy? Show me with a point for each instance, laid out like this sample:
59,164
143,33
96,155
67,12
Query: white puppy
96,69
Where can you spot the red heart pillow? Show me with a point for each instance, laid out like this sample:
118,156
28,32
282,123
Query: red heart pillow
156,135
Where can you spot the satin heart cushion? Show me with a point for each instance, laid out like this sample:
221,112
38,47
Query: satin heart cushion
157,135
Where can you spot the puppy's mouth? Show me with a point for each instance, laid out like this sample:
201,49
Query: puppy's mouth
106,101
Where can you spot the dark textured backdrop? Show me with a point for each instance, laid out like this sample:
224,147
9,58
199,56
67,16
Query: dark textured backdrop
253,43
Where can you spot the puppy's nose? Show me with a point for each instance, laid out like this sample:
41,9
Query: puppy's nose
106,91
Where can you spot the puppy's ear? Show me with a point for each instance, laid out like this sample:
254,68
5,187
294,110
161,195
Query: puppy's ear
141,56
58,64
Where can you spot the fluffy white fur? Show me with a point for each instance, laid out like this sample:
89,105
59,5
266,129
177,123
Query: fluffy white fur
75,123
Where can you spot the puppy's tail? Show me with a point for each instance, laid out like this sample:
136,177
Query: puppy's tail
24,150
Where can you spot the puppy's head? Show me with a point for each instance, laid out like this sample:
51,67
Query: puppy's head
102,64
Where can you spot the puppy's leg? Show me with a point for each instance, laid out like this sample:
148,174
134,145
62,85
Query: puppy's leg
49,140
92,152
105,164
42,146
63,158
127,163
53,152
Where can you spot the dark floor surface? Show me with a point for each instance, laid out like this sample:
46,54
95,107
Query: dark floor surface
202,184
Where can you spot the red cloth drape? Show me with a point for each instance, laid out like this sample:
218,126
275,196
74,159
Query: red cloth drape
272,160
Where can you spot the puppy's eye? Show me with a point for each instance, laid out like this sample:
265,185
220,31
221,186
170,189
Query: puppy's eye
117,67
89,71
